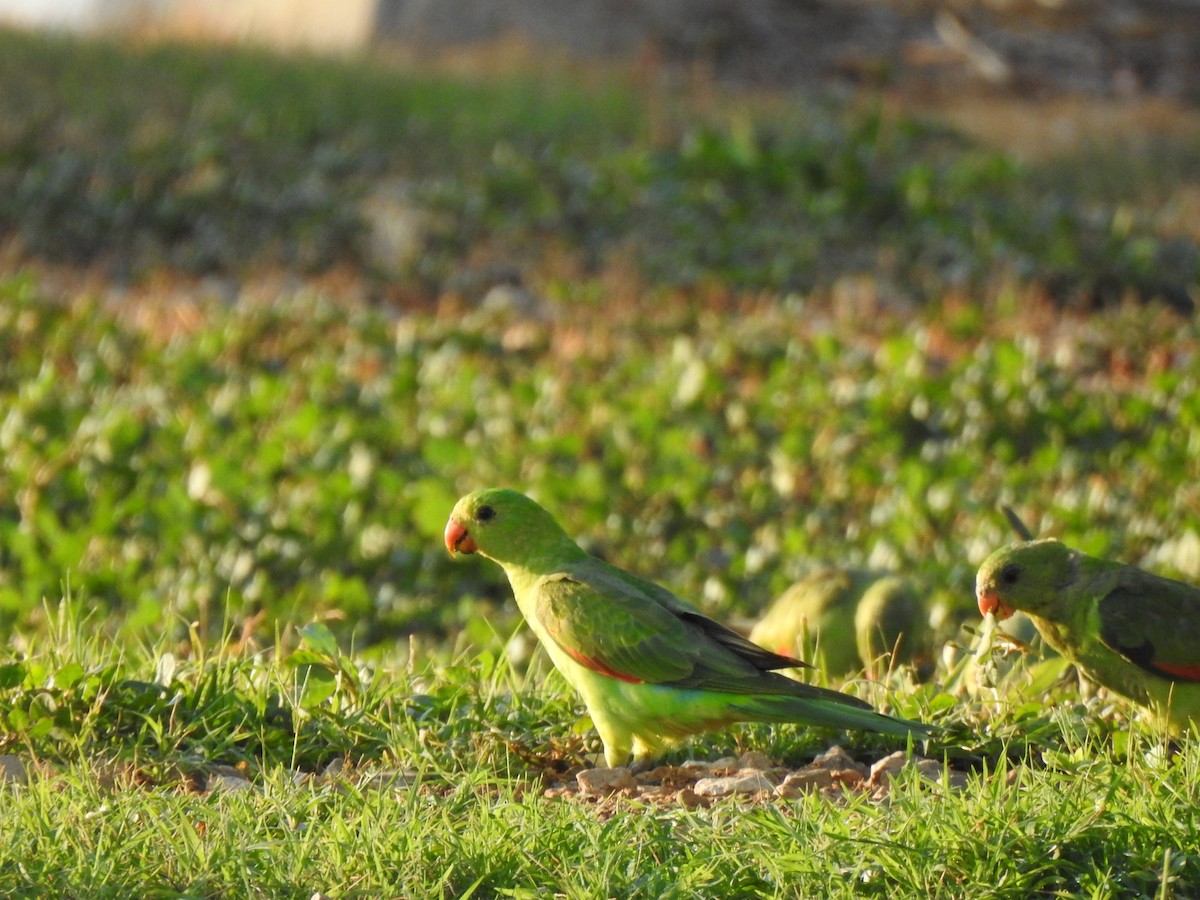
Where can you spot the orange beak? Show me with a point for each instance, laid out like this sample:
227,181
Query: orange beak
458,539
989,602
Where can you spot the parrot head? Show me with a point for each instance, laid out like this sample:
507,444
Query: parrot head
1027,576
501,524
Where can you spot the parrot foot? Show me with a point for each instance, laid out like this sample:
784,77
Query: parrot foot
638,766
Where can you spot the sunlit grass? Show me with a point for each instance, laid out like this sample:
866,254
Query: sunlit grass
437,792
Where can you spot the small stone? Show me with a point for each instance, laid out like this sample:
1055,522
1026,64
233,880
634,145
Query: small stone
934,771
957,780
675,778
772,777
228,784
656,775
836,759
752,759
848,778
335,767
805,781
390,778
689,799
884,770
930,769
12,770
750,781
599,782
726,765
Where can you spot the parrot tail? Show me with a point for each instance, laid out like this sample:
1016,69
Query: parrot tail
830,714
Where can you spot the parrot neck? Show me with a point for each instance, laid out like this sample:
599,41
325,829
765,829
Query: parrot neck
1056,634
549,560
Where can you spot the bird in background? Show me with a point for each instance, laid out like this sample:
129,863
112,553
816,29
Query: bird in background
651,669
847,620
1133,632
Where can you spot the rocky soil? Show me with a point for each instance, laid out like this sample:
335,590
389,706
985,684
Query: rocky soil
833,775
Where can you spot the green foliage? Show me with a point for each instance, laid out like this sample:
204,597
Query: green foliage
796,206
299,460
172,714
217,160
222,160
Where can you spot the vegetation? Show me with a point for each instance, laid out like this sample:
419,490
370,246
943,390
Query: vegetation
298,460
213,161
211,776
239,660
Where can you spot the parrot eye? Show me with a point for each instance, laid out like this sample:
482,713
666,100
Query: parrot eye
485,513
1010,574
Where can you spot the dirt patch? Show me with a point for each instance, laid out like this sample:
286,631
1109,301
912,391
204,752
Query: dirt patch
752,778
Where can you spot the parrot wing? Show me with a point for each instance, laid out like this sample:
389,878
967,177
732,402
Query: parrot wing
608,626
1154,623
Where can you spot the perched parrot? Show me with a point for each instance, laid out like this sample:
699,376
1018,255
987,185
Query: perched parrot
845,620
651,669
1135,633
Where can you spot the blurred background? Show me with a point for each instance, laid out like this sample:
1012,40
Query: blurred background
1103,47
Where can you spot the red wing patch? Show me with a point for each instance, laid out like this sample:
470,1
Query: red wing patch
597,666
1183,672
783,651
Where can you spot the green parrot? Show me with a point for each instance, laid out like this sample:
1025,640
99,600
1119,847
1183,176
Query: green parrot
891,624
1135,633
650,668
845,620
814,618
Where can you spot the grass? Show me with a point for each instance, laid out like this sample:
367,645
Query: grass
439,795
750,356
286,841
